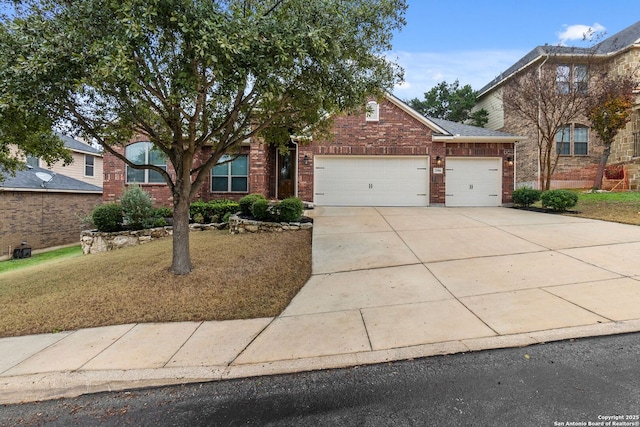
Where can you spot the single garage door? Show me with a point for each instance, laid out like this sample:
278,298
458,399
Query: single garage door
371,181
473,182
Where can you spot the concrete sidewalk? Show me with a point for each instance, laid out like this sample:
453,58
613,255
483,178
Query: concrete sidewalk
388,284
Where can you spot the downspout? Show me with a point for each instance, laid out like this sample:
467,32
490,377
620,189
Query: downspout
295,183
538,127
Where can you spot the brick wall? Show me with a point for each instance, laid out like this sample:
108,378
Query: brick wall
396,133
42,219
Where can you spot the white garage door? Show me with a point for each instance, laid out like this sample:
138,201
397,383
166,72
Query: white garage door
473,182
371,181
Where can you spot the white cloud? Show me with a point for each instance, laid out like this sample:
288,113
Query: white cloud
424,70
579,32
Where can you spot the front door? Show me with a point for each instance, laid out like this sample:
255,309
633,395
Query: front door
287,173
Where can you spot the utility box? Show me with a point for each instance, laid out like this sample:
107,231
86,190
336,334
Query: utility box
22,252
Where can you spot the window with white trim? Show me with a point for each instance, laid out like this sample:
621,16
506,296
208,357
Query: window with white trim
373,111
33,161
144,153
231,176
573,140
89,165
572,78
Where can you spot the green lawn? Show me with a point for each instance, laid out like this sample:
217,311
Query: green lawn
58,254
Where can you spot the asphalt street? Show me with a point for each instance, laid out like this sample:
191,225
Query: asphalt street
592,381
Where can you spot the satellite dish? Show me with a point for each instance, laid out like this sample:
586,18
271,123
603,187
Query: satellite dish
43,176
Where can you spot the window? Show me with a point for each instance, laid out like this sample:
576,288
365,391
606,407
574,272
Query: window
33,161
88,165
580,78
563,142
576,134
230,175
563,79
636,144
373,111
580,140
144,153
572,77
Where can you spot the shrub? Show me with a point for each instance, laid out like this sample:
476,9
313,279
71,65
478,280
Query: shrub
247,201
290,210
199,209
559,200
262,210
137,208
212,211
163,212
107,217
526,196
220,208
226,217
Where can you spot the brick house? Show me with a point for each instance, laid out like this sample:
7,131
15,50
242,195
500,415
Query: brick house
389,156
581,150
49,214
44,209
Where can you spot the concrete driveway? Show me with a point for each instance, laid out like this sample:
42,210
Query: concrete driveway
394,282
387,284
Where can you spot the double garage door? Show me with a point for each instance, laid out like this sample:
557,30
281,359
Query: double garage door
403,181
371,181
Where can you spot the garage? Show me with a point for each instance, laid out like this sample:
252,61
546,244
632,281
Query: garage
371,180
473,182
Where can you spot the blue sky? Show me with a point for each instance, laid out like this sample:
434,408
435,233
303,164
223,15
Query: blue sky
474,40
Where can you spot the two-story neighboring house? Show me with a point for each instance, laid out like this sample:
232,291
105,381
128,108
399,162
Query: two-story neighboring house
578,147
86,165
44,206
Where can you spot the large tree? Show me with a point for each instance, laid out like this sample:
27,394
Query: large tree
451,102
197,77
546,98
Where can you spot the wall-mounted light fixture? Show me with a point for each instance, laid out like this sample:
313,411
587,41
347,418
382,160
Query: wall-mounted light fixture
438,160
510,161
306,159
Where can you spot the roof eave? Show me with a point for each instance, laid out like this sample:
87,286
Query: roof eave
479,139
413,113
50,190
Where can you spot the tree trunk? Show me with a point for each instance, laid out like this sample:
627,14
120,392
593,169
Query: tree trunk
181,262
603,163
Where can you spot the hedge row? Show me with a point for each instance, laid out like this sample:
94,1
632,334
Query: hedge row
558,200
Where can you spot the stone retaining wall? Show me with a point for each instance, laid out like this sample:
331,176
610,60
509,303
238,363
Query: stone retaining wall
94,241
239,225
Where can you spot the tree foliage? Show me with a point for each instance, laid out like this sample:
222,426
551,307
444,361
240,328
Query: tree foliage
451,102
197,77
609,111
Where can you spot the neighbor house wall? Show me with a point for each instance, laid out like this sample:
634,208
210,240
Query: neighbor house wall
42,219
76,168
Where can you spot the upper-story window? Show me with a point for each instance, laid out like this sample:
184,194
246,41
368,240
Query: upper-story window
231,175
573,136
572,78
89,165
33,161
144,153
373,111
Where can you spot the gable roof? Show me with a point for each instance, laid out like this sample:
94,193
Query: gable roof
448,131
622,40
75,145
27,180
